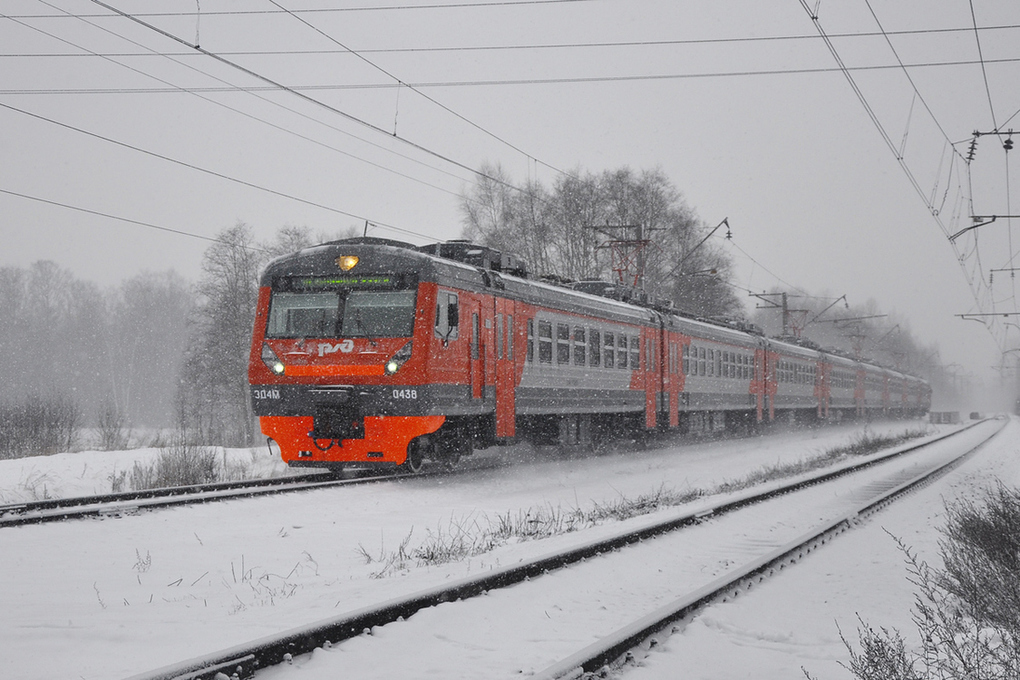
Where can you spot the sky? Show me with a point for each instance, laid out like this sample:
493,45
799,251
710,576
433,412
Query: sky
116,131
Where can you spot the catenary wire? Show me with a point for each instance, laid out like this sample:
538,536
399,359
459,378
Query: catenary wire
531,46
414,89
885,137
910,79
147,225
984,72
252,116
307,98
514,82
207,171
322,10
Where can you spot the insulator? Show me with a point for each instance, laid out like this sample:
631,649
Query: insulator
1008,144
972,150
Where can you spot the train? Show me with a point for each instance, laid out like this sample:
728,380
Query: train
373,352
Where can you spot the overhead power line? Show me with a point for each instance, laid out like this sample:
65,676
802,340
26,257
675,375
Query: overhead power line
312,100
139,223
230,87
509,82
523,47
414,89
910,79
207,171
334,10
981,57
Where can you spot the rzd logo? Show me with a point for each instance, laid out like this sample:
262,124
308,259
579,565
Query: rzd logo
347,346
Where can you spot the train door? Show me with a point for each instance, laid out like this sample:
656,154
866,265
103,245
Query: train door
476,351
860,391
758,381
653,377
764,383
822,387
506,414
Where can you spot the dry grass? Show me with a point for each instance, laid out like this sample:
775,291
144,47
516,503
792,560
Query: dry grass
472,535
967,613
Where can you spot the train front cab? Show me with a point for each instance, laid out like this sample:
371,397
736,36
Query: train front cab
340,358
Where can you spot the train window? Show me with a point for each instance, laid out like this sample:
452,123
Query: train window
711,362
545,342
621,351
635,353
562,343
378,314
595,348
303,315
510,336
447,316
701,361
475,332
499,336
580,344
609,355
687,359
530,356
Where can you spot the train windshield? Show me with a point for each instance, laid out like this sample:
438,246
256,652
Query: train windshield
341,314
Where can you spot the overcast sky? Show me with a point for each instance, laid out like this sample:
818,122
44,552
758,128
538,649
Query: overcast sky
740,102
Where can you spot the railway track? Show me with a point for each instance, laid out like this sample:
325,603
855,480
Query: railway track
129,502
81,507
244,660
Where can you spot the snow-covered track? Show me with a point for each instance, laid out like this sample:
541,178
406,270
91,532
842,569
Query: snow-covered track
244,659
80,507
625,644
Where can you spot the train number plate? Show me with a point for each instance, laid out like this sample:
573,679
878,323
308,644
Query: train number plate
266,394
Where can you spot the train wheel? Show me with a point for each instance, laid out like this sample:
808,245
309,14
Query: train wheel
415,461
453,450
450,459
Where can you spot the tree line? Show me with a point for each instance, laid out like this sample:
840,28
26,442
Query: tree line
566,230
156,351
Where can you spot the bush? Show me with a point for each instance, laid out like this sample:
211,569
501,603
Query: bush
968,612
39,426
114,435
180,464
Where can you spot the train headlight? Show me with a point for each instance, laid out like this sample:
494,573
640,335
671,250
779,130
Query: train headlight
398,359
347,262
272,361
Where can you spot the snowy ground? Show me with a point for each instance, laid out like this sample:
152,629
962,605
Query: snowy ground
793,622
92,473
110,598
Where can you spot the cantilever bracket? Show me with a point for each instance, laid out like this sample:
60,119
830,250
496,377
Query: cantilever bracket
973,226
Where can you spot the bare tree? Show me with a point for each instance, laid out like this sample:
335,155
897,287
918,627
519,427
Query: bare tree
564,231
513,221
213,396
147,335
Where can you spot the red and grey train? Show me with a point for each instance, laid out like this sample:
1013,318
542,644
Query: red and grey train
370,351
